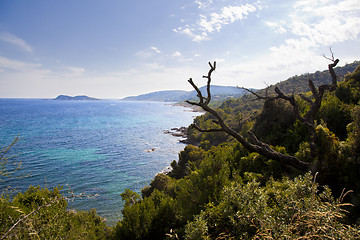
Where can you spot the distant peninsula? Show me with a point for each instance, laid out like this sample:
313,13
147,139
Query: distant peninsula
76,98
218,93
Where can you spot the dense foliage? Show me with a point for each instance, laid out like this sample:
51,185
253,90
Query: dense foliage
287,209
219,190
40,213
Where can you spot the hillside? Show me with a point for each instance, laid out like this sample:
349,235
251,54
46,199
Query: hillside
159,96
245,110
230,188
218,92
299,83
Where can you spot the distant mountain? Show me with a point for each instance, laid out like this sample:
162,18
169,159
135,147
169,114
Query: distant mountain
217,92
77,98
159,96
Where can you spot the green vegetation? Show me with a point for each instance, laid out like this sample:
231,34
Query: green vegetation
286,209
40,213
219,189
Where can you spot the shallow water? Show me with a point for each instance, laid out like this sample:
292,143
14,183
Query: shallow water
96,147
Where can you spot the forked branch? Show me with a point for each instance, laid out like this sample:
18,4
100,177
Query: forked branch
254,146
315,102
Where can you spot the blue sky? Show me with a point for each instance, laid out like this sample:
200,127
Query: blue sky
113,48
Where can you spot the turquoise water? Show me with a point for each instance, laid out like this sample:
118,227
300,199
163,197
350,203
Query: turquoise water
96,147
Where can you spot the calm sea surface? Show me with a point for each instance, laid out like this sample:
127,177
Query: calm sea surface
96,147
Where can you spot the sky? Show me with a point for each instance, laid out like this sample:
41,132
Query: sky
113,49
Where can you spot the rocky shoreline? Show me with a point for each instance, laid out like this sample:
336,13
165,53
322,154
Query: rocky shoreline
177,132
180,132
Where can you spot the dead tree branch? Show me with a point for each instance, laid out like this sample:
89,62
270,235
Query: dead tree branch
315,102
332,55
254,146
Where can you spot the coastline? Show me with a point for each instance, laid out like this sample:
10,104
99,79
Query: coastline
181,132
187,105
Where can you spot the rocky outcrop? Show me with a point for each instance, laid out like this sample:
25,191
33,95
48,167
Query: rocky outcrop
177,132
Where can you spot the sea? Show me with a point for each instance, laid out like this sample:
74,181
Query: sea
90,148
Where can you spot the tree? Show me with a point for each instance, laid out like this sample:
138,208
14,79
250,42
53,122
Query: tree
254,144
150,218
190,156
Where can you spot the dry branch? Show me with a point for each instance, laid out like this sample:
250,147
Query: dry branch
254,146
309,118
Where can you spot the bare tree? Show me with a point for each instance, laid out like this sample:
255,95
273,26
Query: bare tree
253,144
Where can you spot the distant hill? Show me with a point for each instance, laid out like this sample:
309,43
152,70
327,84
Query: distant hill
294,84
77,98
217,92
159,96
298,84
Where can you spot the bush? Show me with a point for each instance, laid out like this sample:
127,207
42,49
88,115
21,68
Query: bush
40,213
287,209
150,218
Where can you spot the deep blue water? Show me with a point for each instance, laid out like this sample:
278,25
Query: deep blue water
96,147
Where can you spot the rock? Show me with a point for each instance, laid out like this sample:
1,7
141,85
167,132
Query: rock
150,150
177,132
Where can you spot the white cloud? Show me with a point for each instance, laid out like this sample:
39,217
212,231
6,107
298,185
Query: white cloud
12,39
155,49
153,66
204,3
321,21
196,37
147,53
7,65
279,27
143,54
176,54
326,23
17,65
314,25
215,21
179,57
76,71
